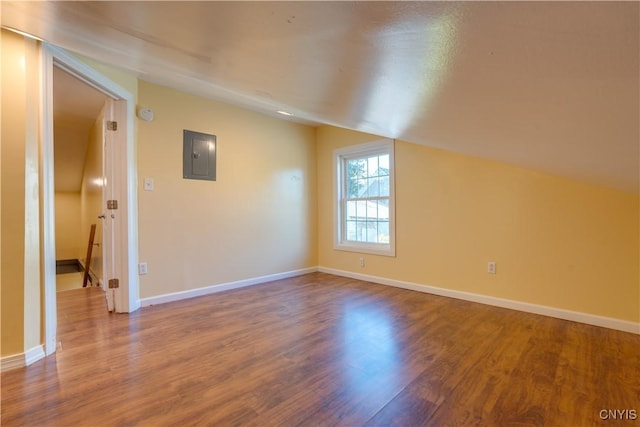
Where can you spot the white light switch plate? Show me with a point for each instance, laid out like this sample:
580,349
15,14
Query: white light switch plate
148,184
142,268
491,267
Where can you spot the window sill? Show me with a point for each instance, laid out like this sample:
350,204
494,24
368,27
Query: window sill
384,250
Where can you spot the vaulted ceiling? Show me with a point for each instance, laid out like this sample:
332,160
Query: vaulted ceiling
548,86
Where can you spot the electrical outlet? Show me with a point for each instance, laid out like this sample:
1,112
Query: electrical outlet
142,268
361,261
491,267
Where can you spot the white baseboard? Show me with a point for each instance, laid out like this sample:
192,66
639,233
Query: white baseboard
575,316
21,360
176,296
14,361
33,355
36,353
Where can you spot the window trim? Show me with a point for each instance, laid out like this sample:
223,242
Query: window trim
383,146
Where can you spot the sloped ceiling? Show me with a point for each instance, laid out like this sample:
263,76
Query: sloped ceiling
75,108
548,86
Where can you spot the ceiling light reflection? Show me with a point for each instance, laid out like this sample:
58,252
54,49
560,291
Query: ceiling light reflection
404,87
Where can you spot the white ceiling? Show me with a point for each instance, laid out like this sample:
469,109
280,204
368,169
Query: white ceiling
549,86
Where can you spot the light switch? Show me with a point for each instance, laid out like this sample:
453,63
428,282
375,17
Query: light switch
491,267
142,268
148,184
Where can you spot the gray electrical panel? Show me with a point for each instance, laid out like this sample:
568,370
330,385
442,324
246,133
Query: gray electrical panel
198,156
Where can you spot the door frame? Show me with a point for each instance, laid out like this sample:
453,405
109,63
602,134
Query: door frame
128,295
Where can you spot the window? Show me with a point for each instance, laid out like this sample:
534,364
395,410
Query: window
365,199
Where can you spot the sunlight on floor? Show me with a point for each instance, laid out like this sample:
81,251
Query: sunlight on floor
68,281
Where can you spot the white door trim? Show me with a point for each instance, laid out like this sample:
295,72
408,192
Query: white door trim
130,291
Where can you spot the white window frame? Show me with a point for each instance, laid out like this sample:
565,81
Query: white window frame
340,157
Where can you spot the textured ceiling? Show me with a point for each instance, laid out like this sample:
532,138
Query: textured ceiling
549,86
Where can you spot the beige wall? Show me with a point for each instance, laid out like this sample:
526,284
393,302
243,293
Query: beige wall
557,242
68,241
20,260
257,218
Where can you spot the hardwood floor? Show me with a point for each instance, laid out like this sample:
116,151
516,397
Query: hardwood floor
321,350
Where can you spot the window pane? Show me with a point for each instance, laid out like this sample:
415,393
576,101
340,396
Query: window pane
383,164
356,171
351,211
362,188
357,168
373,188
352,188
383,232
384,186
372,166
372,232
361,231
372,210
382,209
351,230
361,209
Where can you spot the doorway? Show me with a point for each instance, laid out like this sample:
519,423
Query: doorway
78,180
122,187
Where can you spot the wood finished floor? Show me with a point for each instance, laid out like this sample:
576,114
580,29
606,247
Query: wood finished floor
321,350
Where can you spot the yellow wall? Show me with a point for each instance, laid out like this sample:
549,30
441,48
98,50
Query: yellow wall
68,241
557,242
13,169
20,261
123,78
257,218
90,206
